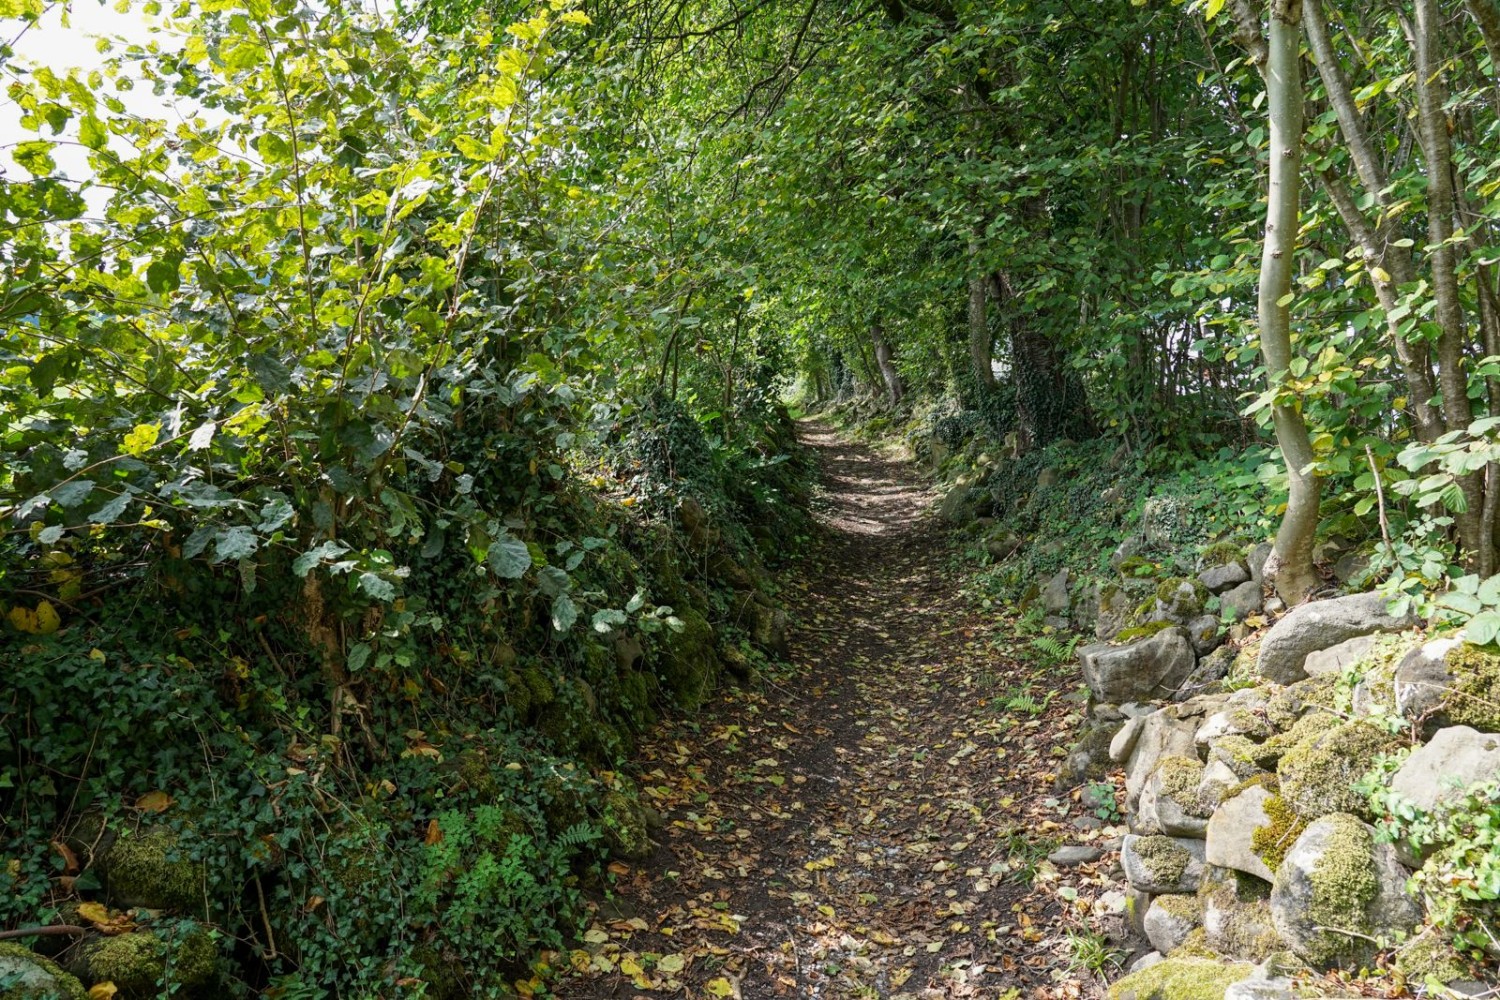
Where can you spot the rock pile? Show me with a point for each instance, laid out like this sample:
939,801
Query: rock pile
1252,851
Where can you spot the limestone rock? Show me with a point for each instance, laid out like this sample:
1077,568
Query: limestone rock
1334,660
1231,829
1263,984
1169,800
1170,919
1336,890
1145,962
1152,667
1203,632
1449,682
1179,601
1255,561
1237,915
1226,577
1055,599
1070,855
1161,736
1124,741
1321,625
1452,760
28,974
1318,775
1243,601
1158,864
1115,607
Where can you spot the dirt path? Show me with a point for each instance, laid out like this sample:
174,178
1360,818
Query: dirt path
874,824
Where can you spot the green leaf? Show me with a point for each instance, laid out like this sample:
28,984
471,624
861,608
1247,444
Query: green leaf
377,586
235,543
92,133
508,557
1482,628
564,613
607,619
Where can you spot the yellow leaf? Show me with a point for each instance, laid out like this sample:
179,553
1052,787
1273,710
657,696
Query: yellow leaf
141,440
630,966
102,991
94,913
672,963
154,802
1212,8
577,17
720,987
46,618
1381,274
22,619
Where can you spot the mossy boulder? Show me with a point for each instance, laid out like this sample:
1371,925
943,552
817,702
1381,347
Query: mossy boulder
1171,801
1287,705
1179,600
1318,775
29,976
689,664
1448,682
624,822
1338,891
1187,978
1309,726
1160,864
149,868
1237,915
1169,921
144,964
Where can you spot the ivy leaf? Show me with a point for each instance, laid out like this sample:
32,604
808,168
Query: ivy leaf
508,557
1483,628
202,436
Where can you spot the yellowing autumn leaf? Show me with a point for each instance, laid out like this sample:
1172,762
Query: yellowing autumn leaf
42,621
672,963
154,802
102,991
94,913
140,440
720,987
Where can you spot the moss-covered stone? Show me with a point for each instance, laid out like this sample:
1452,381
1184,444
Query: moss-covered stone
149,869
1474,699
142,964
33,977
1290,704
1306,728
1344,884
624,822
1318,775
1272,841
1237,915
1180,598
1146,631
1195,945
1188,978
1165,859
1135,567
443,975
1241,755
688,663
1221,554
1180,779
1429,954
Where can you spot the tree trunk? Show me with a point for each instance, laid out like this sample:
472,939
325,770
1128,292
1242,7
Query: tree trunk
1290,568
1437,148
883,358
980,345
